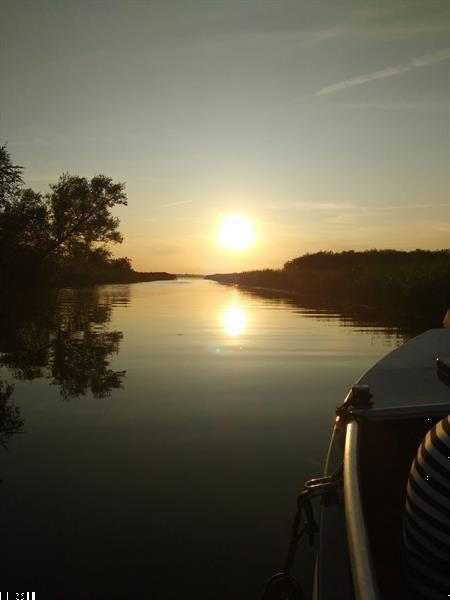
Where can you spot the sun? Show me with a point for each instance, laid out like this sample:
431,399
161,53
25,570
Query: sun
236,233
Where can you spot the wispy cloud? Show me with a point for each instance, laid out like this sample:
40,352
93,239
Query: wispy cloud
430,105
342,207
416,63
406,30
395,20
41,141
309,205
171,204
405,207
38,141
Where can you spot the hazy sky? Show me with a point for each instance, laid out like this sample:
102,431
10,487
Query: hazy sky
325,123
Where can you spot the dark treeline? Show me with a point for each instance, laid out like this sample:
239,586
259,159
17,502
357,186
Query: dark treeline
408,281
62,237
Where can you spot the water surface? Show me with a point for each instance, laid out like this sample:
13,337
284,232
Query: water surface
164,430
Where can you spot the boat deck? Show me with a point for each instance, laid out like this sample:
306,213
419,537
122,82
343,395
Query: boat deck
407,376
408,399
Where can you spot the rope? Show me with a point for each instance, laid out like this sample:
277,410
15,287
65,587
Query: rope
282,585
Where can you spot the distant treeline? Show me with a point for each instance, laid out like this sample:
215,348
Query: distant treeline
417,280
62,237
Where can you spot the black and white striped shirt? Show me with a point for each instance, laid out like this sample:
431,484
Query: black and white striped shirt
426,526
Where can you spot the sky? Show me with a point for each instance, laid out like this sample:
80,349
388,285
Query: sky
326,124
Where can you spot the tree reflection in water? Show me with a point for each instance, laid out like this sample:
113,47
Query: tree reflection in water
63,336
10,420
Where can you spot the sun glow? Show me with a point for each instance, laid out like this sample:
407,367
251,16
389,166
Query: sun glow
234,320
236,233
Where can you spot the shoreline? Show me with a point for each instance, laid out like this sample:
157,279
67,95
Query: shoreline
411,318
407,281
293,294
134,277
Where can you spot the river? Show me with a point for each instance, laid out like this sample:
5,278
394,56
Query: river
161,433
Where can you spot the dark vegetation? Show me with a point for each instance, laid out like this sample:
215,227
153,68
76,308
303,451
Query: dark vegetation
396,281
62,237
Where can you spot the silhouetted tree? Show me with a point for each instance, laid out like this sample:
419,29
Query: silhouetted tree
62,236
24,234
80,213
11,179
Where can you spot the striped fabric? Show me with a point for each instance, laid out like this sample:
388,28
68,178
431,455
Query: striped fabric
426,525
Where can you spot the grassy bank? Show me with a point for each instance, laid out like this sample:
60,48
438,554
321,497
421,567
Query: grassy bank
407,281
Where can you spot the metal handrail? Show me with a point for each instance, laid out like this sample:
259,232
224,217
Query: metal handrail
364,580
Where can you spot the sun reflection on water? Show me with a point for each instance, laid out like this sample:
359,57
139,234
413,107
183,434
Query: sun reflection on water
234,320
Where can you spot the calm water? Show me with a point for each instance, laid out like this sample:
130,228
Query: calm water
167,428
